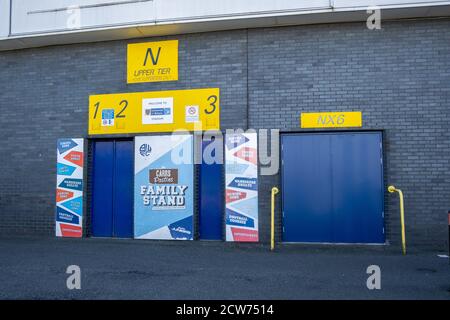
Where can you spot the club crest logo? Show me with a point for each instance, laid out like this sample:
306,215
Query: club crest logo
145,150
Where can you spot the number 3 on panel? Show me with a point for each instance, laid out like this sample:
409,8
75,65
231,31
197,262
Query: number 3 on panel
212,103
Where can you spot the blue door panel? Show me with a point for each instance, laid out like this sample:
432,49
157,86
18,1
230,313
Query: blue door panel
211,199
332,186
357,188
112,187
123,190
302,187
102,191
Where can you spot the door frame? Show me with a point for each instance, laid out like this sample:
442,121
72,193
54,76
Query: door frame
383,186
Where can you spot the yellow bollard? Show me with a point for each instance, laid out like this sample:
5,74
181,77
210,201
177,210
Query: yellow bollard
392,189
272,223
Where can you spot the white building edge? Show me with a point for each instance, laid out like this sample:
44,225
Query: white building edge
31,23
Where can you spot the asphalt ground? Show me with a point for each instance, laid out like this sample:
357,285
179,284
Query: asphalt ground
35,268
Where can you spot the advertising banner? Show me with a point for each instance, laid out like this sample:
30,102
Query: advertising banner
154,111
69,188
164,187
241,181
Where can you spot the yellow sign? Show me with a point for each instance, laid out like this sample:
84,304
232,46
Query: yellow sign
159,111
152,61
331,119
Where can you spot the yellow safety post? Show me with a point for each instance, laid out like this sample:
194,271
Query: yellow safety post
393,189
272,223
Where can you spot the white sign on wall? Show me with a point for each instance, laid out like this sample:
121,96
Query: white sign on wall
157,111
192,114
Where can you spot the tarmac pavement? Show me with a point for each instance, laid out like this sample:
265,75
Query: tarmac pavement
35,268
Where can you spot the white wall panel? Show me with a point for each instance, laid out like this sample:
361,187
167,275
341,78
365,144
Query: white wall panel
56,15
196,9
45,22
366,3
4,18
44,16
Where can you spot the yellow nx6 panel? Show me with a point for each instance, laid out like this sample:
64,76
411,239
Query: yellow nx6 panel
152,61
158,111
331,119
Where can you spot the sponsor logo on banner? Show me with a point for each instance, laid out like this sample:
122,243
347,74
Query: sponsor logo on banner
74,205
244,235
145,150
237,219
241,175
64,170
69,191
235,140
181,229
66,216
163,189
75,157
74,184
247,154
164,176
244,183
237,169
69,230
62,195
233,195
65,144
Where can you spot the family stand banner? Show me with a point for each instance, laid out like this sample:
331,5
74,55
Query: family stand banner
69,188
164,187
241,178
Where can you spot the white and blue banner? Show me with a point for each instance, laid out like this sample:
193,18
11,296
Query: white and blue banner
164,187
241,178
69,188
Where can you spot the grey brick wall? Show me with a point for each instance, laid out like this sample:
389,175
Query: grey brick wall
399,77
44,96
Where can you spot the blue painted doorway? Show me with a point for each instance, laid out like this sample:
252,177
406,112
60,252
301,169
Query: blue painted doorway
112,189
332,187
210,195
